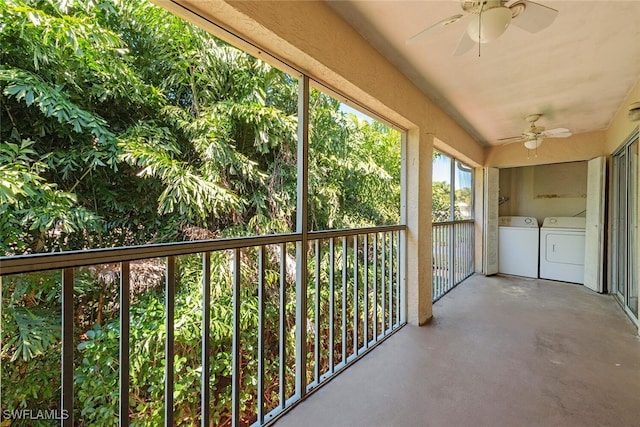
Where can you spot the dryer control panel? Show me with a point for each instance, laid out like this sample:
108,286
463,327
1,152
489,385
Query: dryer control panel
517,221
564,222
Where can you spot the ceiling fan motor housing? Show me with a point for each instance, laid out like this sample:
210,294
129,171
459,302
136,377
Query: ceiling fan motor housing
532,118
471,6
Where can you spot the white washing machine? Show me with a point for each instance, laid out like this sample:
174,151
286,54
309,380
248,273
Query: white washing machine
518,239
562,249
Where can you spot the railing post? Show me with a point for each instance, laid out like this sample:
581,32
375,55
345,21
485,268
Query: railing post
332,302
124,343
390,280
383,296
302,228
375,287
452,257
343,315
355,296
366,290
235,372
316,314
170,297
261,307
282,328
206,338
67,347
399,284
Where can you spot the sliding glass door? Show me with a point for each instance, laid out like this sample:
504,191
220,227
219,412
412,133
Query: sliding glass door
632,229
624,273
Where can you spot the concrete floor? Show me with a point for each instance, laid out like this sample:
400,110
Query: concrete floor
500,351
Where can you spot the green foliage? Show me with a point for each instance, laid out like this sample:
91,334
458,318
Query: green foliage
440,201
34,210
31,332
30,88
121,124
354,168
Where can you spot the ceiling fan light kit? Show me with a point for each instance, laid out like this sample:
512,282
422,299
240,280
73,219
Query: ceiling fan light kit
532,144
534,135
489,24
490,19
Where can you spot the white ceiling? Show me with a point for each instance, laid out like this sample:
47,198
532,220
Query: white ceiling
575,72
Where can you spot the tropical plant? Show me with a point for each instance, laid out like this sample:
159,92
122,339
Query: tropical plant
122,124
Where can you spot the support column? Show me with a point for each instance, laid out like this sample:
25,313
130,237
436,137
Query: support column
419,149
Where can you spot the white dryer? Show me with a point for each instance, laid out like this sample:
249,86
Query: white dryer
562,249
518,245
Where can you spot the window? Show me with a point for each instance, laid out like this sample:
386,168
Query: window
354,167
453,227
452,189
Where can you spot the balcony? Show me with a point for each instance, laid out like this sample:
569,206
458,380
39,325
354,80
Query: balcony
293,311
499,351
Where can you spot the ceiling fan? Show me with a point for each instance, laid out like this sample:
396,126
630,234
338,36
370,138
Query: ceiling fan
490,18
534,136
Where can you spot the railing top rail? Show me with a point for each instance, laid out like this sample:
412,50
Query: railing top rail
327,234
459,221
80,258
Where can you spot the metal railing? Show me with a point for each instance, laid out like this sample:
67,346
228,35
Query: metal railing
288,334
453,253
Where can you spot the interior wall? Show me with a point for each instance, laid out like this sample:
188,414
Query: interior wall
522,191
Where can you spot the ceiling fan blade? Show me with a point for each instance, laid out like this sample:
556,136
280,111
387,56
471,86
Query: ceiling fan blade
510,140
465,44
535,17
557,133
434,27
